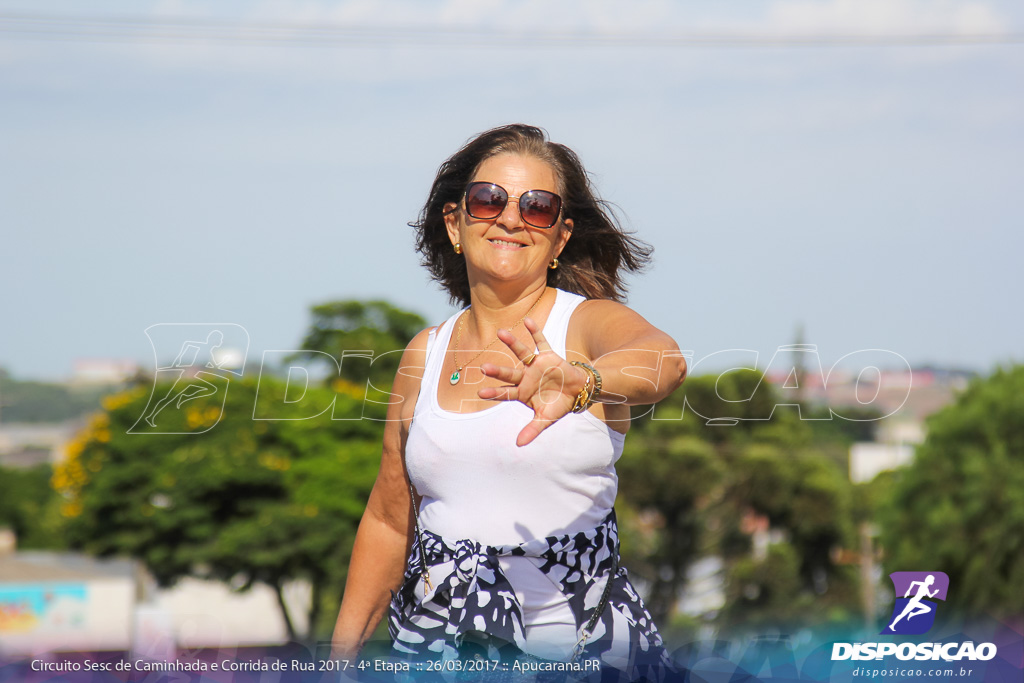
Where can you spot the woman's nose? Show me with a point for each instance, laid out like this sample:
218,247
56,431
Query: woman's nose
510,216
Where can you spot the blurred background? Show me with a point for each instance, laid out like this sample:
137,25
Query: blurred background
832,189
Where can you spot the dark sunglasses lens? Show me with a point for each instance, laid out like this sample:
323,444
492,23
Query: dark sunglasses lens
540,208
485,201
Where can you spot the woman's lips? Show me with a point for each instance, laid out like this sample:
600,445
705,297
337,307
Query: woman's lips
504,244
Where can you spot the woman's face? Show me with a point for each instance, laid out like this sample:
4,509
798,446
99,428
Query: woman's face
506,248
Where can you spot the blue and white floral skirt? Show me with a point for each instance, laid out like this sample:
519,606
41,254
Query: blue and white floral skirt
473,603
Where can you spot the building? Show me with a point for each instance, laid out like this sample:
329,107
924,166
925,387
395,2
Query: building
69,602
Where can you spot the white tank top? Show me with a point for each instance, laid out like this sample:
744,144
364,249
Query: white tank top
477,484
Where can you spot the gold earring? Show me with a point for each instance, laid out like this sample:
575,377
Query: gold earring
458,247
553,264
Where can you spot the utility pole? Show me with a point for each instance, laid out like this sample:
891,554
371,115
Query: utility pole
800,364
867,575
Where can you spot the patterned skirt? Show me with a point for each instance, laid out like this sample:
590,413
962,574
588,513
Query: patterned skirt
476,605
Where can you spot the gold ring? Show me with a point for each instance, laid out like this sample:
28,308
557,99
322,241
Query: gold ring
529,359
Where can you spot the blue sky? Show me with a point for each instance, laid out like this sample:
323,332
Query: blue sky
180,173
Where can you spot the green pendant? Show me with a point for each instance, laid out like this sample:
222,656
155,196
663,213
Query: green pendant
454,379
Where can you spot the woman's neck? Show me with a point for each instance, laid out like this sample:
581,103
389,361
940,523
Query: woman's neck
491,309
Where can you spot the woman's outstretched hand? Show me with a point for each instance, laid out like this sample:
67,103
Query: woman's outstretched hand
546,383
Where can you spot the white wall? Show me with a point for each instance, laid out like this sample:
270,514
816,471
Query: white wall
67,615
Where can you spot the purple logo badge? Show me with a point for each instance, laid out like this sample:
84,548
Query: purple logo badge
916,593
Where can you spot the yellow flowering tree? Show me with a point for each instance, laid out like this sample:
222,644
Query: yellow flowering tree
241,485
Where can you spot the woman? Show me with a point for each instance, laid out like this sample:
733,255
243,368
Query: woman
507,420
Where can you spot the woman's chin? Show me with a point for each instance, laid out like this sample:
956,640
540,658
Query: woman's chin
510,271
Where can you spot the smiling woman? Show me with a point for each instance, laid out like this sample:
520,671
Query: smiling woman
502,251
491,528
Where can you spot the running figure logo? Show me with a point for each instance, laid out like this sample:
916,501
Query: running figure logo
207,356
915,614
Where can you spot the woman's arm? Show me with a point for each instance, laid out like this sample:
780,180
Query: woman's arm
639,364
385,531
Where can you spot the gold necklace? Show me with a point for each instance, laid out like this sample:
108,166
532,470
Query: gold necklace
457,375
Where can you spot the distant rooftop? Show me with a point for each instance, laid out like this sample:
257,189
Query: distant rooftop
100,371
37,565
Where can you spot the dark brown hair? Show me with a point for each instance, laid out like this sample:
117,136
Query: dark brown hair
590,263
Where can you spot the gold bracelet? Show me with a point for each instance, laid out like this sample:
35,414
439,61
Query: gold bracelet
597,378
585,397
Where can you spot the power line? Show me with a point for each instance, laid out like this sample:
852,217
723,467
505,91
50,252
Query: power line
194,31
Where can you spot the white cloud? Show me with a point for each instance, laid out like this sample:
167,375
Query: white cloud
883,16
654,16
490,30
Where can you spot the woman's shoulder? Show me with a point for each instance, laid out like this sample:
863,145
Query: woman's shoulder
601,311
413,364
599,323
441,327
590,306
419,346
419,343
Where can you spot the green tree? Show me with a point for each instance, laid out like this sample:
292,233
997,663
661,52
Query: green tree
340,328
673,480
801,493
959,508
807,500
716,453
26,506
720,409
230,497
766,592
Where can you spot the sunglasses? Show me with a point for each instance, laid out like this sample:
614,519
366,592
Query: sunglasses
539,208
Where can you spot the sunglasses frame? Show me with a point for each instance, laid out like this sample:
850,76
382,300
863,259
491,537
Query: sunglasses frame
510,197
